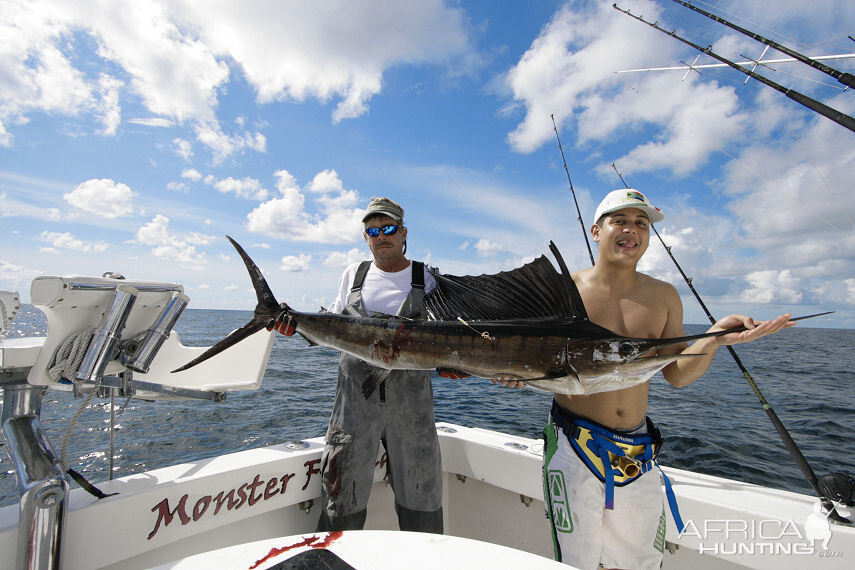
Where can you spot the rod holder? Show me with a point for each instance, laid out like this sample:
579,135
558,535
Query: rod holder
138,355
42,487
105,339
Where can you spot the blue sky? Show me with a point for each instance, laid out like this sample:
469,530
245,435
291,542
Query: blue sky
135,135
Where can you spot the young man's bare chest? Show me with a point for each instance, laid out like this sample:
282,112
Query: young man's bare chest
634,315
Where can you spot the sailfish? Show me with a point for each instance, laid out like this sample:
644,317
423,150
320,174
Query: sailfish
528,324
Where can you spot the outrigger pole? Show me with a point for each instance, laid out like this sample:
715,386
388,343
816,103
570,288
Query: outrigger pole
789,443
821,108
845,78
573,192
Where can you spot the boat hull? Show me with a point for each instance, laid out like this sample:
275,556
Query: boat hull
492,492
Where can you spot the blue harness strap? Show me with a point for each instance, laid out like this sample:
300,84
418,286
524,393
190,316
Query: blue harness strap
672,501
604,443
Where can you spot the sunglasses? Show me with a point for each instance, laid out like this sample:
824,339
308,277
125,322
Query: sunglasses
389,230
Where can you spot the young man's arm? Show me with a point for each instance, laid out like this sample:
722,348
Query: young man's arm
685,371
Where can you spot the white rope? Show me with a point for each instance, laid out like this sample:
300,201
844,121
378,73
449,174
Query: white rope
67,435
67,358
65,364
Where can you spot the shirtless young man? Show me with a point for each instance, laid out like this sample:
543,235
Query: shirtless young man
631,534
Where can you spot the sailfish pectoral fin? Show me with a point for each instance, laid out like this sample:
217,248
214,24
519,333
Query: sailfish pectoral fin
547,376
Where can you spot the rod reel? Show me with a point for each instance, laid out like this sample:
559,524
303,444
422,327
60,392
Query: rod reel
138,353
839,488
102,348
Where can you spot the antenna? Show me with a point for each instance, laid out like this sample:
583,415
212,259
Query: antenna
845,78
824,110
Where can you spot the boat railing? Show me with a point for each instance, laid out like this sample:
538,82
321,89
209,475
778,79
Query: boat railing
106,336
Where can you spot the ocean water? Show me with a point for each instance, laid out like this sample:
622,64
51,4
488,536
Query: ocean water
715,426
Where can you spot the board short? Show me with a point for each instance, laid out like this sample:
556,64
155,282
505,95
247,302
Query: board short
585,533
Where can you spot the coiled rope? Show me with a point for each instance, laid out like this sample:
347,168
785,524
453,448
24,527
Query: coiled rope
67,358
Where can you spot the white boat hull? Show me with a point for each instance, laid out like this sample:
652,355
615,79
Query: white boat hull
492,492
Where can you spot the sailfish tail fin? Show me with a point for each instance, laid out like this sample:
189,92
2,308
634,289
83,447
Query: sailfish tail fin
266,311
266,300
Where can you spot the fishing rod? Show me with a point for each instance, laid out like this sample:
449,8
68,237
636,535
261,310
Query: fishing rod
573,192
821,108
845,78
789,443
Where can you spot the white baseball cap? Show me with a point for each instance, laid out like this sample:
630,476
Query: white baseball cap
628,198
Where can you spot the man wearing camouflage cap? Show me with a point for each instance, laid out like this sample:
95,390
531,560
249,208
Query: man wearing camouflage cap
399,413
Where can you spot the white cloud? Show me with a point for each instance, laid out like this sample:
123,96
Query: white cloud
10,207
569,70
102,196
200,239
177,56
293,263
325,181
35,74
296,51
211,135
152,122
65,240
176,187
850,291
108,108
183,148
789,201
246,187
337,220
171,247
16,276
487,248
345,258
156,232
769,286
191,174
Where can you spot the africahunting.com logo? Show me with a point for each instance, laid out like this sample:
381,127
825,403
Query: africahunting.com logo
735,537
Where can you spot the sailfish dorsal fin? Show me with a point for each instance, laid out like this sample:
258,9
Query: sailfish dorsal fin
534,290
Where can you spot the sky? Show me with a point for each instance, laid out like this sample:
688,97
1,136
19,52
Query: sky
135,135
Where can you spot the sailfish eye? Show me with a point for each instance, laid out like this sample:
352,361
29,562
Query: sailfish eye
626,349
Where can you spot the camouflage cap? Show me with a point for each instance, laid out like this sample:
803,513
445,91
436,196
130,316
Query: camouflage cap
384,207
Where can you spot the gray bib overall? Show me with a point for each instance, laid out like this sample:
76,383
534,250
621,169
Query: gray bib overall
400,415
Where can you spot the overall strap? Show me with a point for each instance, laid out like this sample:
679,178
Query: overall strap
418,275
413,304
359,278
353,304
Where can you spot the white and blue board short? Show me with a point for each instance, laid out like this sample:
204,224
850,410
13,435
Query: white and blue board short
585,533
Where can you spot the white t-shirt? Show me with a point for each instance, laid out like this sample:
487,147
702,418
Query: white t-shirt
382,291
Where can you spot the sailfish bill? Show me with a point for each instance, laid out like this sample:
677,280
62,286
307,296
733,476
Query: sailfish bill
527,324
